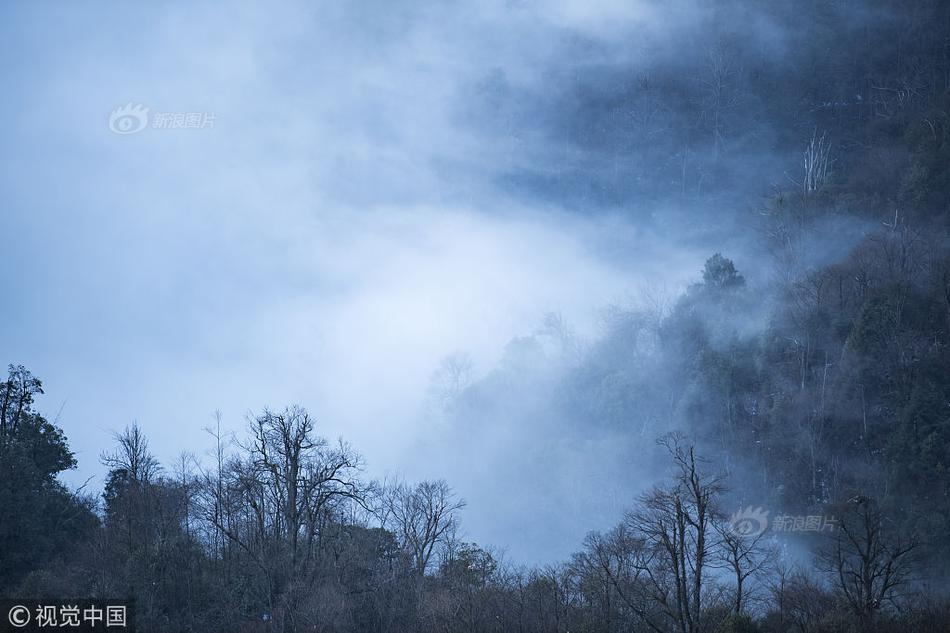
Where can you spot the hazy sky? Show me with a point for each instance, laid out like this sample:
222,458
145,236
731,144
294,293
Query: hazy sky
349,219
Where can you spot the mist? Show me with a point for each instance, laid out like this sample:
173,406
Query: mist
559,267
370,199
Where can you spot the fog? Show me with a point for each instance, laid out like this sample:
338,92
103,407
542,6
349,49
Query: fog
385,184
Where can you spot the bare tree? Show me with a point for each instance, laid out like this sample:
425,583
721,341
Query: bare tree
280,500
617,573
868,562
556,328
799,600
676,523
817,162
745,556
132,455
719,93
211,491
657,562
131,498
452,377
423,517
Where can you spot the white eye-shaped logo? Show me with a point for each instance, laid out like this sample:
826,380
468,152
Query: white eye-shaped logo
749,522
128,119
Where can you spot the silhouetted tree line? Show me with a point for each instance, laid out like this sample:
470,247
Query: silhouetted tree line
281,533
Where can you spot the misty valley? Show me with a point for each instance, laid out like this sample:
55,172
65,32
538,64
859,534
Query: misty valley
501,317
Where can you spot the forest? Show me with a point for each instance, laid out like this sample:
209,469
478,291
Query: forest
793,415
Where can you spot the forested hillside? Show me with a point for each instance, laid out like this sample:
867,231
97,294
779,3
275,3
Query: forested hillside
813,385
